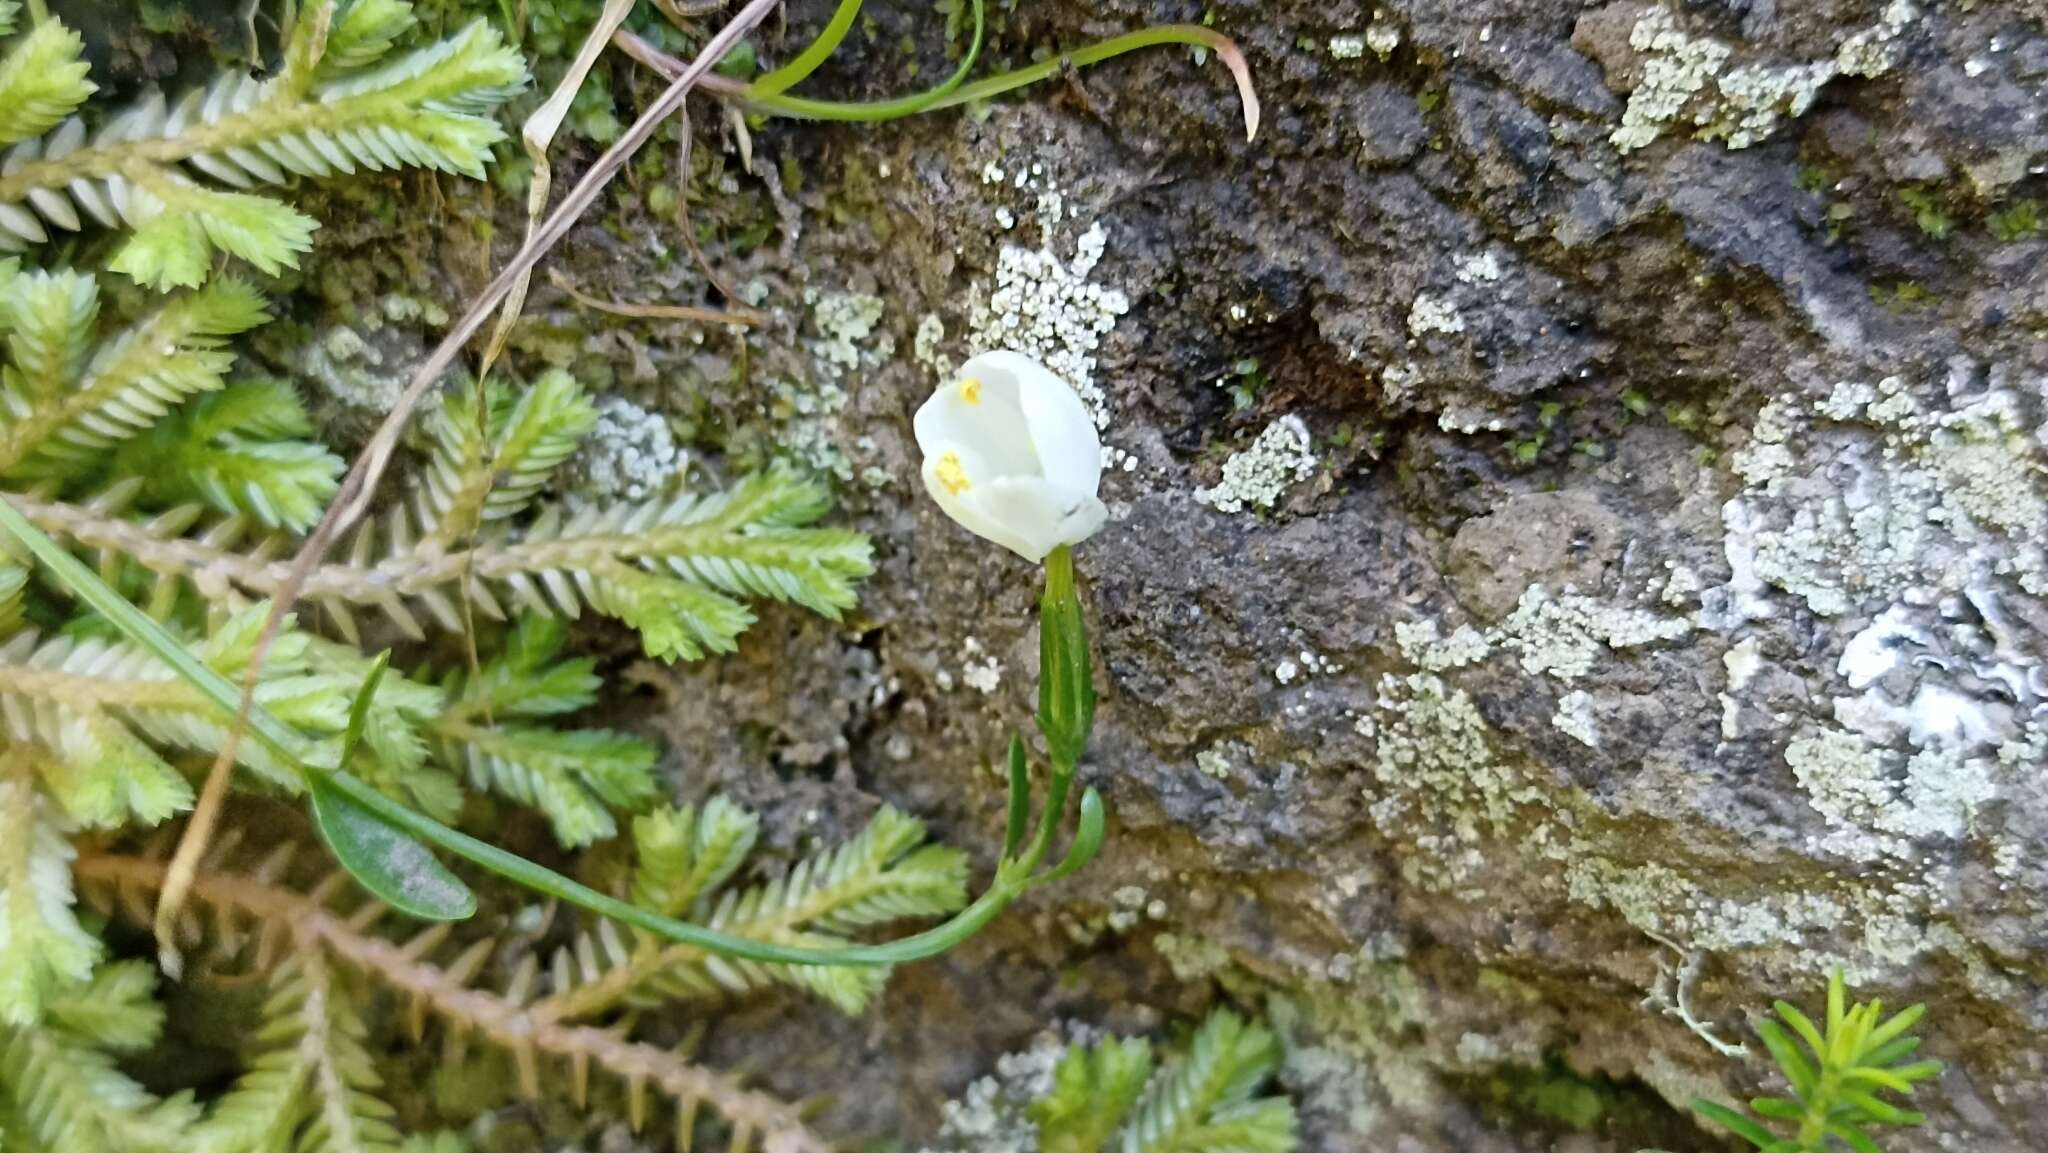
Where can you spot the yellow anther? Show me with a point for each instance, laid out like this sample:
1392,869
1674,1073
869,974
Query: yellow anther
951,473
970,390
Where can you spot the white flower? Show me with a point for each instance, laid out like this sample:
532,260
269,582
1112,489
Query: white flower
1010,452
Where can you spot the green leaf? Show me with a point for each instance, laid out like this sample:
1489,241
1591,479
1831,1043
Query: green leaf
1801,1025
242,450
1776,1108
42,81
1796,1067
1734,1122
396,869
363,35
1020,798
1066,685
359,711
42,946
1093,1090
1088,833
1885,1033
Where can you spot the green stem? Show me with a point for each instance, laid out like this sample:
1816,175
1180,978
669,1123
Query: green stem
1192,35
798,70
874,110
519,870
1059,574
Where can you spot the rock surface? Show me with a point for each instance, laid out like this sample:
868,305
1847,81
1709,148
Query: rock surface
1654,622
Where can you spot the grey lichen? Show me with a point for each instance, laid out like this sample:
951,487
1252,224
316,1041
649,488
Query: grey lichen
1261,473
1428,314
353,371
1438,779
992,1115
1853,500
1934,793
630,454
1563,636
1574,718
1051,309
1682,80
847,339
1423,645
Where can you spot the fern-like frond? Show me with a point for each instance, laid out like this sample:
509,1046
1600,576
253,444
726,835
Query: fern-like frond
50,319
884,874
1839,1072
1205,1101
63,412
42,945
362,34
42,81
681,854
670,568
527,679
59,1082
13,589
310,1086
98,709
102,710
576,777
489,467
1093,1090
321,114
116,1010
881,875
255,921
244,449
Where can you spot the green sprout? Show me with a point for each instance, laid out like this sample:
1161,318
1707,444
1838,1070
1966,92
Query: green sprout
1838,1079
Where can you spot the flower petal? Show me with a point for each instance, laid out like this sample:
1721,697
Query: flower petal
985,415
1062,429
1033,517
957,478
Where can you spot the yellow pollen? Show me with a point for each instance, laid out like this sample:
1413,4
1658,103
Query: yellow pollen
970,390
951,473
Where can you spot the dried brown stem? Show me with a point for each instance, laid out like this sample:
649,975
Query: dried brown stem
745,316
502,1020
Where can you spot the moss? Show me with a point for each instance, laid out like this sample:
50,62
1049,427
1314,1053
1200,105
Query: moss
2017,223
1924,201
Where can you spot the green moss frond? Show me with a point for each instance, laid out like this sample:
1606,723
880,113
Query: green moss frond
885,874
576,777
1207,1100
42,946
340,103
310,1085
42,81
245,450
60,1086
67,402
